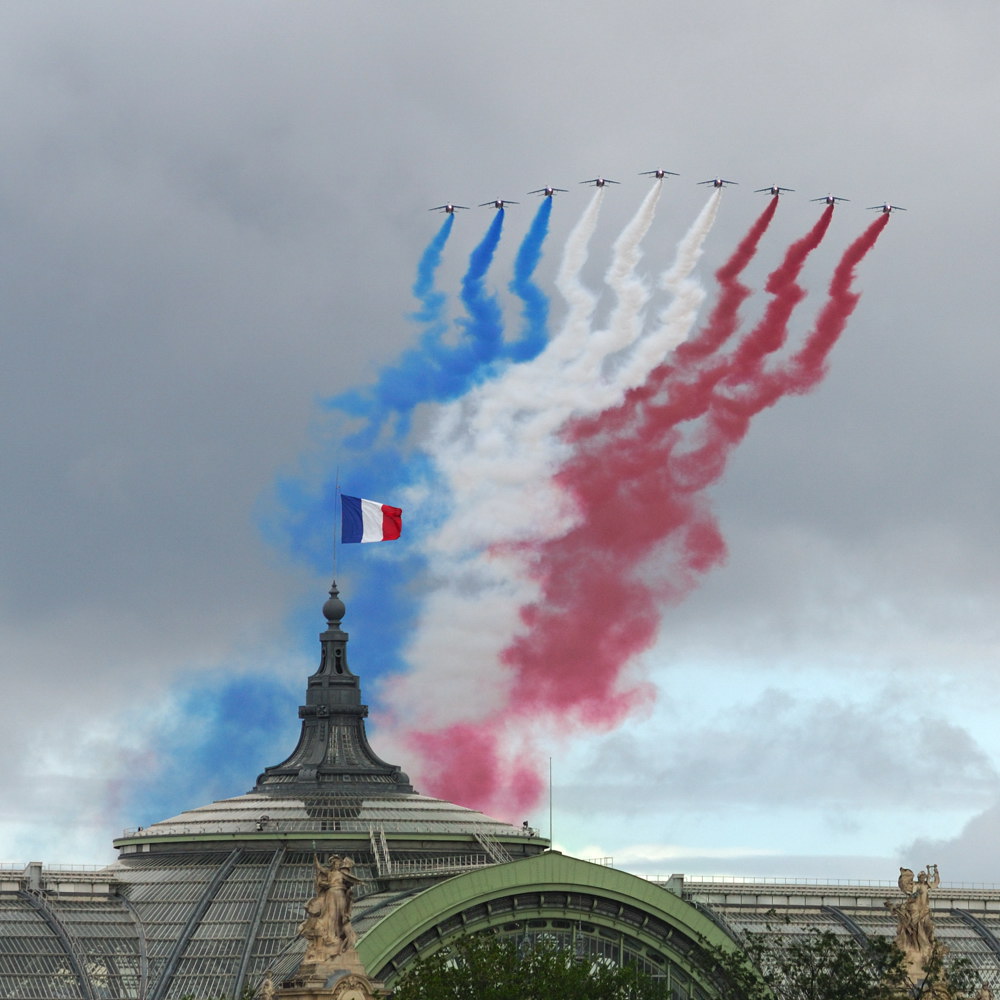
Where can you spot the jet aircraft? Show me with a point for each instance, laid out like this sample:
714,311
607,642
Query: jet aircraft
600,181
775,189
497,203
830,199
658,174
885,208
718,182
547,192
449,208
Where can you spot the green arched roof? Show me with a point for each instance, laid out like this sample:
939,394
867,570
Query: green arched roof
481,900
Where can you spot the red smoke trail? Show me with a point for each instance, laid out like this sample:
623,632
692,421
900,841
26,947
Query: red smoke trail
686,395
732,294
730,413
719,327
466,760
633,491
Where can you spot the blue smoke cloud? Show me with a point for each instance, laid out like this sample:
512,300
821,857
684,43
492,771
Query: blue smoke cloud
222,732
379,466
436,369
535,311
226,728
484,324
413,378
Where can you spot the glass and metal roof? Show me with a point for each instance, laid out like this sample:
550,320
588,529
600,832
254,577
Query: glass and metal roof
256,813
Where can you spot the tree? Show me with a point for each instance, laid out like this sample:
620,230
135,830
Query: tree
821,965
489,967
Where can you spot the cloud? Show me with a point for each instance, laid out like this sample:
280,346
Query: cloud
782,750
202,237
968,857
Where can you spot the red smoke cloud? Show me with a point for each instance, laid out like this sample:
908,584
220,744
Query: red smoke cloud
638,484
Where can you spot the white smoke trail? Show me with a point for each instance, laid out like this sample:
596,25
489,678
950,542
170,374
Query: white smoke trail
625,323
500,445
476,598
676,320
496,451
580,300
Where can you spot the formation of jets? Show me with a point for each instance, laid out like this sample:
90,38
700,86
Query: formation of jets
775,190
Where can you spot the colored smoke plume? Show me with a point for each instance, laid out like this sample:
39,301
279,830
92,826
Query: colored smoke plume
535,309
635,489
495,453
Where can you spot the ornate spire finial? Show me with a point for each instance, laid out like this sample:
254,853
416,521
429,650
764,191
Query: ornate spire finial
333,607
333,754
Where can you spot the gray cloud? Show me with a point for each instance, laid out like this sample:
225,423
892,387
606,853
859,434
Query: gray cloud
969,856
779,750
209,220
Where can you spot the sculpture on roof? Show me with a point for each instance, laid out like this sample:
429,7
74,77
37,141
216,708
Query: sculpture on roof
327,926
914,923
267,986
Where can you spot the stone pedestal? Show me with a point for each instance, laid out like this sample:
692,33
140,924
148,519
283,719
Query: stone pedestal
341,978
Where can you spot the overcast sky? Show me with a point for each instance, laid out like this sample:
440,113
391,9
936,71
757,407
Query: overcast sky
211,217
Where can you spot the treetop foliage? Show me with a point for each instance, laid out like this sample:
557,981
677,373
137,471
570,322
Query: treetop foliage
489,967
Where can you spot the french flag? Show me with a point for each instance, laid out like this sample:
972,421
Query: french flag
368,520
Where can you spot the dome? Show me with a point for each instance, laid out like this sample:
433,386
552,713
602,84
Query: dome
283,817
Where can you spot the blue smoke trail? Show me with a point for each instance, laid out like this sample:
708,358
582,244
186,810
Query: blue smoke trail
484,325
402,387
435,370
439,371
535,312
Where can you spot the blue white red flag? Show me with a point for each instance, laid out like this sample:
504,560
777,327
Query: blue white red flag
368,520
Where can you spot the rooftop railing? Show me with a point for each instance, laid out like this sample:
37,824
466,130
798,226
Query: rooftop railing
13,866
855,883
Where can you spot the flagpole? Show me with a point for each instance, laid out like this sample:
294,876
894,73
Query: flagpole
335,505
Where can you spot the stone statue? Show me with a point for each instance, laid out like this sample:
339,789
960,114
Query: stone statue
267,987
914,924
327,926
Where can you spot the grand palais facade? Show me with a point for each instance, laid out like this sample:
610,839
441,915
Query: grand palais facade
208,903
